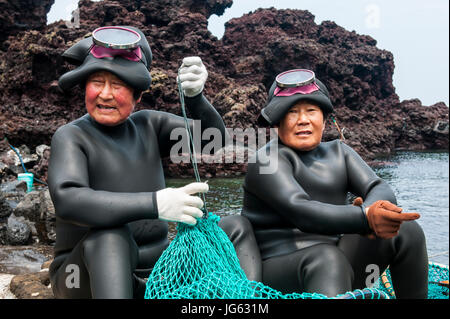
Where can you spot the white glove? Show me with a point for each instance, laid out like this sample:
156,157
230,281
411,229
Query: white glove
193,75
176,204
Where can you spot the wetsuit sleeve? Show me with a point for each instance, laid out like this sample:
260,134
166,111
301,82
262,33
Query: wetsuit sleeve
294,204
75,202
199,108
363,181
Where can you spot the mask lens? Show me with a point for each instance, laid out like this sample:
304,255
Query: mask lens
295,78
116,37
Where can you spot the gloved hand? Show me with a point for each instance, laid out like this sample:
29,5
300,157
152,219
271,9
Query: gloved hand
176,204
385,218
193,75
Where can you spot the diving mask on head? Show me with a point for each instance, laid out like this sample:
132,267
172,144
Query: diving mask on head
291,87
116,41
120,50
298,81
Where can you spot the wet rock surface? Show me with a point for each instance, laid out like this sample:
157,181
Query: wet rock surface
27,232
32,280
18,260
24,272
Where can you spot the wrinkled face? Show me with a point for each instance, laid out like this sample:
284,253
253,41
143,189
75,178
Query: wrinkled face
302,127
109,101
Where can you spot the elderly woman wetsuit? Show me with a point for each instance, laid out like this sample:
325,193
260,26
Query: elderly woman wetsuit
310,238
104,181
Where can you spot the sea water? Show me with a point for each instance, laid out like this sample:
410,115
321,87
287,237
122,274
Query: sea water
421,184
420,181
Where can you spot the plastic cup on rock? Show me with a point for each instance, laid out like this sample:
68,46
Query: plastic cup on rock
28,178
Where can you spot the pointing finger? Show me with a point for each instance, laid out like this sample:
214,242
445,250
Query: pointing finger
403,217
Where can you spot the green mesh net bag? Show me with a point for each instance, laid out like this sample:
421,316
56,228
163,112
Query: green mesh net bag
436,274
201,263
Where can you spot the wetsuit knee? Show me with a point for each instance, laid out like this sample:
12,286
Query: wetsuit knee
321,268
240,232
236,227
149,255
326,270
409,268
410,235
108,242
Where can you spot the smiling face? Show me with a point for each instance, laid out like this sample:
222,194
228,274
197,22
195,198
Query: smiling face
109,100
302,126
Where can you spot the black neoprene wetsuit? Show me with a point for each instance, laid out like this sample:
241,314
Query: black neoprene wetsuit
300,214
105,178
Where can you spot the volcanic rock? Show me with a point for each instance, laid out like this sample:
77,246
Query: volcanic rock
16,16
5,208
241,67
18,232
32,286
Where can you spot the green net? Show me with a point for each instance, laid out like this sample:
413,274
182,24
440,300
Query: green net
436,274
201,263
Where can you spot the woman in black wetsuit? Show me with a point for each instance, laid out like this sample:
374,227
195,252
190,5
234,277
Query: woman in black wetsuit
106,178
310,238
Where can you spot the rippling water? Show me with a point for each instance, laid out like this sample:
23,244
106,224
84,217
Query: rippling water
420,182
419,179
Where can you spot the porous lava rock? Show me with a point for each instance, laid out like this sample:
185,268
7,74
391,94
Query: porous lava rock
241,66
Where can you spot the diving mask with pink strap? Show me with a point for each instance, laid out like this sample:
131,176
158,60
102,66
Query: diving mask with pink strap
298,81
115,41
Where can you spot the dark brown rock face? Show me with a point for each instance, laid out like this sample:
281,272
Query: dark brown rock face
16,16
241,66
357,74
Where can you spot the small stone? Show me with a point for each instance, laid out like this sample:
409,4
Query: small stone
5,208
17,232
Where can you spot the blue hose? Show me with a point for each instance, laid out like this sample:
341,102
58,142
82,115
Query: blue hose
18,154
23,164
